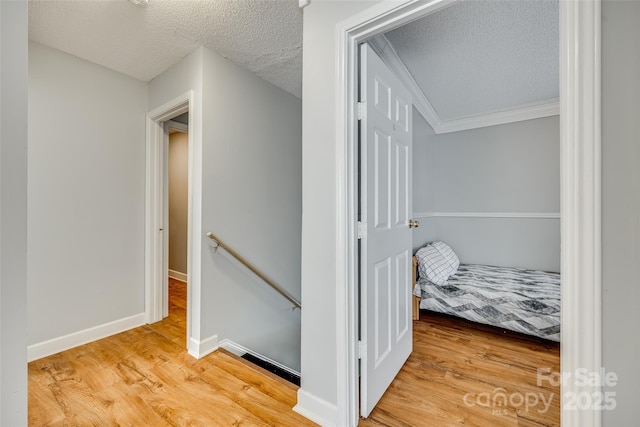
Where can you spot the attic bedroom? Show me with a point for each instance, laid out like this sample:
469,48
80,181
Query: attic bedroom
486,156
484,82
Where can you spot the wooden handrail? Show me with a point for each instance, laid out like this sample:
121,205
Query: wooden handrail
220,243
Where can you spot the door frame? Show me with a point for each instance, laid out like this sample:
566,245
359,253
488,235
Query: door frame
180,127
580,146
156,214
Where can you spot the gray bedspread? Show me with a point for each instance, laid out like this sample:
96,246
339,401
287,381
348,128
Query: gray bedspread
526,301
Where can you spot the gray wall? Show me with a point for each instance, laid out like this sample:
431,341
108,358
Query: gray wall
184,76
179,79
13,213
86,195
512,168
621,206
424,180
251,198
510,242
508,168
322,384
178,201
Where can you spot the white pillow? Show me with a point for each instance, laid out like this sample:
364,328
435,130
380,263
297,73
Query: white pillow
432,265
448,254
437,262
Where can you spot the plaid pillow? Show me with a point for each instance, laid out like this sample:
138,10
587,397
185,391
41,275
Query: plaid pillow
437,262
432,265
448,254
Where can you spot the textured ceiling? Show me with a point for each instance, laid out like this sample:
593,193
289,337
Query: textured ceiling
478,57
263,36
472,58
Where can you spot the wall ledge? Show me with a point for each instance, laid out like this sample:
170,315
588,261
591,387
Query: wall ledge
526,215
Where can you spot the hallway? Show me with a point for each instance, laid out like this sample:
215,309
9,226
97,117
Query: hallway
144,376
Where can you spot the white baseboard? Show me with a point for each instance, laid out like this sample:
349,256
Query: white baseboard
239,350
200,349
315,409
177,275
75,339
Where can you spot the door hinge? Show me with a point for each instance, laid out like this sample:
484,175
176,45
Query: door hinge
362,230
362,110
362,349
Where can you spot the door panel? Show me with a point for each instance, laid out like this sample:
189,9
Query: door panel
382,335
385,287
382,180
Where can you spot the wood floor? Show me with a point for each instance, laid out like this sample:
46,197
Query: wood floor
144,377
458,375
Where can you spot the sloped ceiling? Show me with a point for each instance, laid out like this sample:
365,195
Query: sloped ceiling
263,36
479,57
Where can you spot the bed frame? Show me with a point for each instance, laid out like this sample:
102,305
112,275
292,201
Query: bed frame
416,299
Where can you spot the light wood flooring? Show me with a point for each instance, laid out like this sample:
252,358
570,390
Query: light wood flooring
144,377
453,358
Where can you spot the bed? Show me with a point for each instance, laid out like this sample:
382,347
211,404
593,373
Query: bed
517,299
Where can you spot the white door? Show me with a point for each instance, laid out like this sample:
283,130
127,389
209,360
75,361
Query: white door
385,248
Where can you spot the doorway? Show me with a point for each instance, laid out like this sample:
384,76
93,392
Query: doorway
580,194
178,206
160,123
178,188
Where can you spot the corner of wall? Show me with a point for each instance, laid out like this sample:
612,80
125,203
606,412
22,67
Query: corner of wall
316,409
200,349
13,212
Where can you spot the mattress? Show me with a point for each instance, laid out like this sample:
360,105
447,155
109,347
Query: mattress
526,301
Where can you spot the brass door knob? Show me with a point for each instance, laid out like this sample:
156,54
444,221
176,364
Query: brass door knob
413,223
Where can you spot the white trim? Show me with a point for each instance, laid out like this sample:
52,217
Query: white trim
200,349
153,301
548,108
385,49
581,200
164,179
528,215
178,276
181,127
381,45
156,269
375,20
580,127
239,350
316,409
75,339
155,253
303,3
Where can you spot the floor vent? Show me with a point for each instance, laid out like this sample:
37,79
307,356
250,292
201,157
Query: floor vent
292,378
